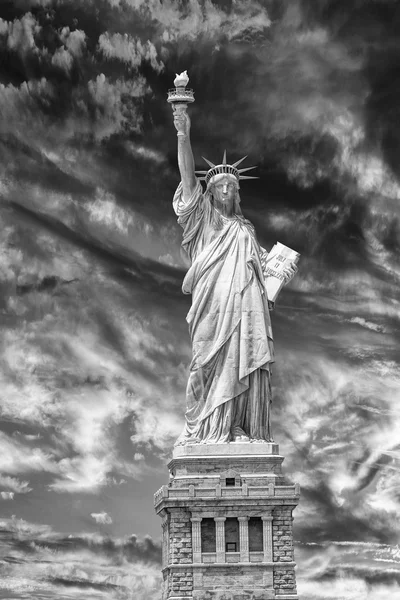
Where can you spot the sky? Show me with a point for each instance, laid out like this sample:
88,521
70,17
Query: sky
94,346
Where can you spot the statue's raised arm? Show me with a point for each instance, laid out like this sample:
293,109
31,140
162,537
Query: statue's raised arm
185,154
179,97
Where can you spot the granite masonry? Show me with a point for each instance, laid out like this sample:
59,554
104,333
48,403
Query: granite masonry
227,524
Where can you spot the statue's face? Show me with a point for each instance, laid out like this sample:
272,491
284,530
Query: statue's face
224,190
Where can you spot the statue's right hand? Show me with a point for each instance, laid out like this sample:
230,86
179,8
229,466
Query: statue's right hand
181,121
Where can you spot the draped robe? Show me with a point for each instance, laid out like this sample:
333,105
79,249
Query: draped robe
228,391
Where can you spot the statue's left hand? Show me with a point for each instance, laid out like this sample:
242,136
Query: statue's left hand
289,272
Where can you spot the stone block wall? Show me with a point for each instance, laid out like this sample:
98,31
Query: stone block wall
284,581
180,537
180,581
231,579
282,534
282,537
180,584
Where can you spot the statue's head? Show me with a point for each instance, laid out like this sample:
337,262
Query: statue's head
223,181
224,189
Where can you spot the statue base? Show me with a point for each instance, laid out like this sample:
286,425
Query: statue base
231,449
227,523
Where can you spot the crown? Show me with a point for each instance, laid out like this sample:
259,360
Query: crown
224,168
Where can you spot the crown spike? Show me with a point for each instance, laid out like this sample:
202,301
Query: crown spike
239,161
208,162
246,169
224,168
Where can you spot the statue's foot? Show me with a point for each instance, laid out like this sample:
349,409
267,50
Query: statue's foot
187,441
238,435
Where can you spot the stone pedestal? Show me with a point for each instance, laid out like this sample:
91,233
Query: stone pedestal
227,524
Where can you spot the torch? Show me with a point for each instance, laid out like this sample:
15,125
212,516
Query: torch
179,97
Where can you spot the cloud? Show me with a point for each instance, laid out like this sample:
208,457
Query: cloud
103,518
341,457
17,458
62,59
47,562
202,20
119,549
347,570
19,106
129,50
98,109
142,151
20,34
26,4
157,426
79,370
367,324
25,529
83,474
74,41
105,210
113,104
7,495
15,485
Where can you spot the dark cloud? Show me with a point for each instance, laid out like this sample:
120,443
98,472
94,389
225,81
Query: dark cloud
78,562
34,539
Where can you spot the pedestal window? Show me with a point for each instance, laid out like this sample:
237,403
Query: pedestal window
256,534
232,538
208,536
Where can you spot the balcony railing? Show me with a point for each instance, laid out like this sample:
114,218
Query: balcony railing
221,492
180,94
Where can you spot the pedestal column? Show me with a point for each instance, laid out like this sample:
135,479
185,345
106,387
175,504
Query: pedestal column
220,538
165,542
196,538
267,537
244,539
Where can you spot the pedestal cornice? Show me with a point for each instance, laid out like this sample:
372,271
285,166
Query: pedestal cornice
229,449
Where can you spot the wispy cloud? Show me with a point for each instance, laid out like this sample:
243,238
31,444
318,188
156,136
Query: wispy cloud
14,485
102,518
7,495
200,21
77,566
129,50
17,458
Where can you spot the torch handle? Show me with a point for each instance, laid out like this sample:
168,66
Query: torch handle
179,107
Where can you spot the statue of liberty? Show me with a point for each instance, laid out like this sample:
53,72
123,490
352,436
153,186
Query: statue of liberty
229,387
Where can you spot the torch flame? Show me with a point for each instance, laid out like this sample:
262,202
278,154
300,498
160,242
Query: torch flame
181,80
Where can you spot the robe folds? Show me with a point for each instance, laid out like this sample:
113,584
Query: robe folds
228,391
